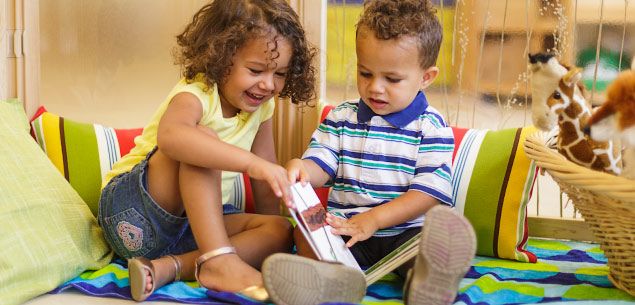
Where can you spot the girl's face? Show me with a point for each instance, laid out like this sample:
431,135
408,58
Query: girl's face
258,73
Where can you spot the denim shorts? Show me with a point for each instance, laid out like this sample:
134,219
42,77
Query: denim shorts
135,225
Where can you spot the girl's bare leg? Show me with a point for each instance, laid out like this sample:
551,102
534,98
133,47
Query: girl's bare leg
258,236
302,246
200,195
254,236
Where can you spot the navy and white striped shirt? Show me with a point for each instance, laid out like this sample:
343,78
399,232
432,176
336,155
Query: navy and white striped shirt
374,159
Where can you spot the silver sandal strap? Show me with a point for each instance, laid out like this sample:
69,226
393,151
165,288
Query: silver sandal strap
209,255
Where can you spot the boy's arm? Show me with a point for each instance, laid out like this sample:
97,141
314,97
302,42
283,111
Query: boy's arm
408,206
266,202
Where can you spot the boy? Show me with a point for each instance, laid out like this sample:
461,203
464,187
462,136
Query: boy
388,159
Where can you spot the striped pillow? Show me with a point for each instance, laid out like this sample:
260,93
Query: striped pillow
492,184
82,152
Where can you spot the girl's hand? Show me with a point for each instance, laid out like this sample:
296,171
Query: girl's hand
273,174
359,227
297,172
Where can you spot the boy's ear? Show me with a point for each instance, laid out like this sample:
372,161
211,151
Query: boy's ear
429,75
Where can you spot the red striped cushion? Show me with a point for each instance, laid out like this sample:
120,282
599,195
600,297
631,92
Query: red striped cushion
82,152
492,182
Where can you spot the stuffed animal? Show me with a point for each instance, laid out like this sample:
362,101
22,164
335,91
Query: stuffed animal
616,117
557,97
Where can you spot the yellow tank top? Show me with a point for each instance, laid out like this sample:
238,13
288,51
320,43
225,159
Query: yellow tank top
239,130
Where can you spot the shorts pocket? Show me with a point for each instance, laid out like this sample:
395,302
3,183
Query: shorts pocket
130,233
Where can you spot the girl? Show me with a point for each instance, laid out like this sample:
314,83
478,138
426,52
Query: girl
164,205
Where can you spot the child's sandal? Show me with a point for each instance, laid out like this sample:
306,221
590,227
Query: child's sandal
209,255
257,293
138,279
177,267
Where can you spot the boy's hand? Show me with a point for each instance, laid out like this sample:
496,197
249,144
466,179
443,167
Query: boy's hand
273,174
359,227
297,172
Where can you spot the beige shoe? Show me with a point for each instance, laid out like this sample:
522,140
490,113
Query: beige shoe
137,268
295,280
446,249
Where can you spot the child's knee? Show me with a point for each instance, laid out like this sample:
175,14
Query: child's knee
284,225
277,225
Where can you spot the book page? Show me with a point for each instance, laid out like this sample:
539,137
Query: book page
311,217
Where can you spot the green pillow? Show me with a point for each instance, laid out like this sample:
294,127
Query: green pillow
48,234
492,182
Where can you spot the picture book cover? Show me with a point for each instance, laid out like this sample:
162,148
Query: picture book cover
310,215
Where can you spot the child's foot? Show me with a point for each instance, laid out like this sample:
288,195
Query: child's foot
145,276
228,273
446,249
295,280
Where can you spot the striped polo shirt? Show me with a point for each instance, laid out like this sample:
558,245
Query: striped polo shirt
373,159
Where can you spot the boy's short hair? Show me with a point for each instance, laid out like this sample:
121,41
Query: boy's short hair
391,19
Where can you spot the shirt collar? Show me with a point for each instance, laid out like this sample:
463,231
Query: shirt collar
398,119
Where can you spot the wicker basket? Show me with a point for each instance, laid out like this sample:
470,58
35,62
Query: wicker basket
606,202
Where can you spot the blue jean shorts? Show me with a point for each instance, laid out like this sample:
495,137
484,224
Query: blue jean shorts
135,225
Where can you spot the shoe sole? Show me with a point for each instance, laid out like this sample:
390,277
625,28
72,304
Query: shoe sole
446,249
295,280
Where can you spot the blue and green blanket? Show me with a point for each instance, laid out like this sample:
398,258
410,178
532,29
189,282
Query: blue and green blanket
566,271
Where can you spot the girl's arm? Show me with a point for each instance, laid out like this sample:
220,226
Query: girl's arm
180,138
263,146
306,170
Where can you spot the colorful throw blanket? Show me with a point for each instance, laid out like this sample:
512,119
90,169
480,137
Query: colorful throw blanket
566,271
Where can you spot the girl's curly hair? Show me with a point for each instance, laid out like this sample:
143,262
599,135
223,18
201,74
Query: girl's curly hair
390,19
219,29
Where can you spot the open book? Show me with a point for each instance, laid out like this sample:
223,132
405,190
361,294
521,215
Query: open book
310,216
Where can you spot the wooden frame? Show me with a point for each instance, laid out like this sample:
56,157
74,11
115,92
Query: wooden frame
20,78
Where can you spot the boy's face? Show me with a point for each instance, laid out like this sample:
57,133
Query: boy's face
388,72
257,74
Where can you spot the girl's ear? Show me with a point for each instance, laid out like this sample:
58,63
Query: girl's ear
429,75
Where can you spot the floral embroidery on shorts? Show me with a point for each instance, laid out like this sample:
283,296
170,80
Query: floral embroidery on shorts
131,235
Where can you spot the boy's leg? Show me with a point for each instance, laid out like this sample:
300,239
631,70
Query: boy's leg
446,249
296,280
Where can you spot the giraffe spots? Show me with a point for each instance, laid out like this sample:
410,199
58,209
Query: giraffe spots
582,152
598,164
602,161
568,133
574,110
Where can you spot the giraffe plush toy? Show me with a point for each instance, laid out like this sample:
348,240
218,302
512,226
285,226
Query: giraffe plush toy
558,98
616,116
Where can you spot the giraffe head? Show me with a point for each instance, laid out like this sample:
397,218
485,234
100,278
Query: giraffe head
566,100
616,116
545,73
